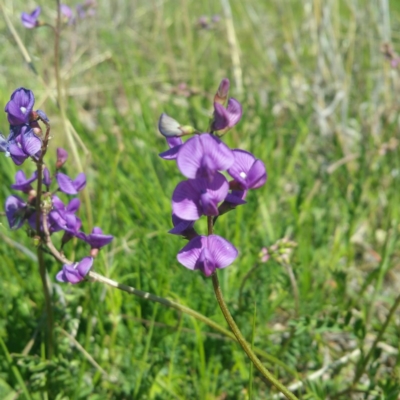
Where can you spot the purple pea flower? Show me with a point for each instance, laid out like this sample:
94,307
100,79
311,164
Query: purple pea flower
62,157
96,239
174,144
207,253
20,106
22,183
69,186
31,20
66,12
76,272
196,197
16,211
202,155
23,143
46,177
183,228
226,118
64,218
248,171
222,92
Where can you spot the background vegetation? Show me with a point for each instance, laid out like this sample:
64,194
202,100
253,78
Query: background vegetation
321,106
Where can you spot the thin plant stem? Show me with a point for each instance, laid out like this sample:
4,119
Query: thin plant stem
242,341
157,299
239,336
42,267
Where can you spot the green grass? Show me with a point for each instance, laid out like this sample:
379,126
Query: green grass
122,69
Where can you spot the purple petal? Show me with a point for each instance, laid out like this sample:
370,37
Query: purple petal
257,175
16,153
234,110
30,20
189,255
69,274
65,183
62,157
223,252
84,266
203,154
181,226
80,181
57,203
188,197
23,184
97,239
42,115
207,253
185,202
15,209
73,205
31,144
174,144
221,118
65,11
46,177
20,106
247,170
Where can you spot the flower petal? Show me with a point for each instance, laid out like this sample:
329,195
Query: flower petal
189,255
223,252
84,266
65,183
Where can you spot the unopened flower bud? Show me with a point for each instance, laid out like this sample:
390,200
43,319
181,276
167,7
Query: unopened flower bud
170,127
222,92
62,157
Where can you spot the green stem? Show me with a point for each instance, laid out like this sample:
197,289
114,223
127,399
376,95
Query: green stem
186,310
242,341
42,267
236,331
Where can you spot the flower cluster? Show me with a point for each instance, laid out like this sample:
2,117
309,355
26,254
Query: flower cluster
54,214
206,192
87,8
24,139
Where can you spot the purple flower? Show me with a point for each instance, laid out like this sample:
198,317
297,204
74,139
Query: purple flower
20,106
76,272
196,197
64,218
66,12
16,211
183,228
207,253
226,118
3,144
202,155
31,20
174,144
222,92
23,143
248,171
69,186
96,239
62,157
46,177
22,183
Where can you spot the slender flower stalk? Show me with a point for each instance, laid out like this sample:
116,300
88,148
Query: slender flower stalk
239,336
42,267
